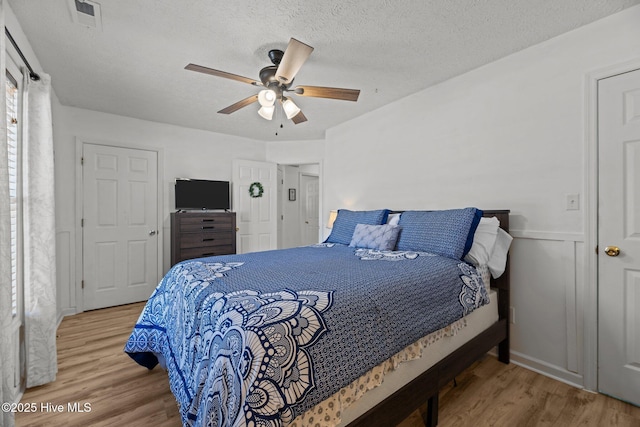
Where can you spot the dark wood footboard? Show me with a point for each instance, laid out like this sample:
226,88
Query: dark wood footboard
425,387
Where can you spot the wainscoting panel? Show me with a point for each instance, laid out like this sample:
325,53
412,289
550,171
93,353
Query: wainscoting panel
65,273
547,281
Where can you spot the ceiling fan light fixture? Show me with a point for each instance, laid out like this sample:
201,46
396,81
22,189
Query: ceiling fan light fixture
276,80
266,111
290,109
267,98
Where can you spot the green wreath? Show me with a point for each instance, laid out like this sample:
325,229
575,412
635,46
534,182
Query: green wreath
252,190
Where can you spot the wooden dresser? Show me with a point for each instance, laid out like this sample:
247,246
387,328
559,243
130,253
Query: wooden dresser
202,234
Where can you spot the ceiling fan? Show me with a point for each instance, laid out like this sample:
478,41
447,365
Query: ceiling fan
277,80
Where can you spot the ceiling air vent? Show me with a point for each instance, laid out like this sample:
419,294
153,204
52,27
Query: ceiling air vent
86,13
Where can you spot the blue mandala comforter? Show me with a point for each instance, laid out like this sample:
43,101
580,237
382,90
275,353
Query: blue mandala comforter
257,339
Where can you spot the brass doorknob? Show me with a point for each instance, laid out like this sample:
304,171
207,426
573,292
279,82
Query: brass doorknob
612,250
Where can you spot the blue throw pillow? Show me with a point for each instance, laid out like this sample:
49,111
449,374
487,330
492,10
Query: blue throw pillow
472,231
448,233
381,237
346,221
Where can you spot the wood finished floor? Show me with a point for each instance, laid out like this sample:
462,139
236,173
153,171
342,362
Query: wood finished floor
93,369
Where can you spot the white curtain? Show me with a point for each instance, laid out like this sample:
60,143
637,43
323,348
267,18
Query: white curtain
7,369
39,234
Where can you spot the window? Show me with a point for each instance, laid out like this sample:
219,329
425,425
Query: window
13,101
14,187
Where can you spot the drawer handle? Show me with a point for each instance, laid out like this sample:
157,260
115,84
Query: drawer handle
208,240
209,254
208,227
208,220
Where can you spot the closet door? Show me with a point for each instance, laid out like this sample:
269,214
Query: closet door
120,231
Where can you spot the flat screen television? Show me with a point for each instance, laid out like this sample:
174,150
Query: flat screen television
202,194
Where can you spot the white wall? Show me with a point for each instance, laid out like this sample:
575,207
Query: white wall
184,152
295,152
509,135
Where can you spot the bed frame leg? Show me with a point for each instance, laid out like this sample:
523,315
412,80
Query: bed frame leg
503,351
431,417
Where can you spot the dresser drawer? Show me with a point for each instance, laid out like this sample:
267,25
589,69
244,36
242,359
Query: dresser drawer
195,240
205,219
203,228
204,252
204,224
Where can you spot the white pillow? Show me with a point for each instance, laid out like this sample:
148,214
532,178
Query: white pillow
498,260
484,241
393,219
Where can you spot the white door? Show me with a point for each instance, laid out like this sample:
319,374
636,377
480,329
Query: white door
619,226
120,225
309,209
256,217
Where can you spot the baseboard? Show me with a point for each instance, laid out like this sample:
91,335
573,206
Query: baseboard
547,369
63,314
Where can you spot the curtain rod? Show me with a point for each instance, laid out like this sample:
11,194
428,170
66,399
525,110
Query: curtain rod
32,74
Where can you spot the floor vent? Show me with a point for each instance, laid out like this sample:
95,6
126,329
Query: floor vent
86,13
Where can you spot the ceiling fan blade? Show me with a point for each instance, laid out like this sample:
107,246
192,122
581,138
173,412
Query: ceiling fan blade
238,105
299,118
294,56
218,73
328,92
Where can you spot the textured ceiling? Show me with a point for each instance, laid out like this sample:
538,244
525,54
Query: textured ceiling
388,49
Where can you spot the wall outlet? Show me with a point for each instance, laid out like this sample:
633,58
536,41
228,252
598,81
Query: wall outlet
573,202
512,315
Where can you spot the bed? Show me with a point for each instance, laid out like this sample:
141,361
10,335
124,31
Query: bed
264,339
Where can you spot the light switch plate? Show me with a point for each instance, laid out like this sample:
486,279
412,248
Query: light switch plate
573,202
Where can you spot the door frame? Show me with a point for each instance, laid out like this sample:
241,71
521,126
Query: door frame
590,308
79,255
320,176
